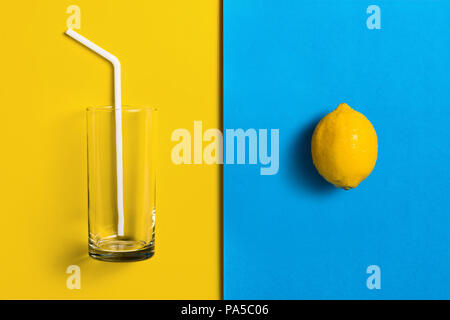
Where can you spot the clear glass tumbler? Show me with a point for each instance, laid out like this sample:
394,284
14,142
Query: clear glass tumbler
133,239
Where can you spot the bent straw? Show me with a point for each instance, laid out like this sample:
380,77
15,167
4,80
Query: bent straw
118,113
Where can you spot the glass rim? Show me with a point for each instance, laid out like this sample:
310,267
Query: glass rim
124,108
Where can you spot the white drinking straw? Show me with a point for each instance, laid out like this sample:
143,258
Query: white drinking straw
118,107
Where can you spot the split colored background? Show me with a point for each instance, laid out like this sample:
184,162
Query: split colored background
285,65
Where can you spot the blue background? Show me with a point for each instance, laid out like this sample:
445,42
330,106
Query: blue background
293,235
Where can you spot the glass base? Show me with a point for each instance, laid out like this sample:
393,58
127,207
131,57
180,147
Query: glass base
121,251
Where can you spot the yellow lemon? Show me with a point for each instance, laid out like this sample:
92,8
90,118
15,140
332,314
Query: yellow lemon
344,147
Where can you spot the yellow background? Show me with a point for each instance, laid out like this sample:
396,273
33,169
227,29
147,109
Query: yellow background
169,52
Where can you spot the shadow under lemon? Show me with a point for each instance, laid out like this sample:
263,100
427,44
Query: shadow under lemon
302,168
